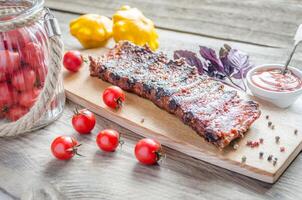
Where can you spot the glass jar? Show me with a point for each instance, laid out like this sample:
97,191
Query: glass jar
24,64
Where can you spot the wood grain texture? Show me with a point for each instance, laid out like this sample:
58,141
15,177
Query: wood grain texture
25,161
28,169
269,23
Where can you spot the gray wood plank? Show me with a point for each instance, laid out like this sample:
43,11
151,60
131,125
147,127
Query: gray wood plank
271,22
170,41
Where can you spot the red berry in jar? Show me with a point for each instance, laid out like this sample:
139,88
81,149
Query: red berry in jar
41,73
3,77
28,98
16,39
32,55
14,94
9,61
25,54
24,79
5,97
16,112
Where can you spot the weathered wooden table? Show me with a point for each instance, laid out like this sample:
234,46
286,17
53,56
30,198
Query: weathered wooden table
263,29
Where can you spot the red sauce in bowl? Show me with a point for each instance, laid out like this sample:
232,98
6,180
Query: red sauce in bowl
274,80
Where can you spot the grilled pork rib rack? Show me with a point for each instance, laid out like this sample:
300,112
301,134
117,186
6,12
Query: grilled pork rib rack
216,114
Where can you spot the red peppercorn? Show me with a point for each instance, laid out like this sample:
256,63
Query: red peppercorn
255,144
282,149
249,143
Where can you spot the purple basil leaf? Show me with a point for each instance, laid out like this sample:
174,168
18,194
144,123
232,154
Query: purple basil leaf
209,55
240,62
212,72
228,68
191,58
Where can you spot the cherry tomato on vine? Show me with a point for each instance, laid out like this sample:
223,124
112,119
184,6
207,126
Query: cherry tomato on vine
72,60
83,121
114,97
64,147
108,140
148,151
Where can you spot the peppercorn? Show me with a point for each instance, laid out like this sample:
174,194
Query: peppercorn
261,140
275,161
269,158
243,159
267,116
269,123
282,149
277,138
261,154
296,131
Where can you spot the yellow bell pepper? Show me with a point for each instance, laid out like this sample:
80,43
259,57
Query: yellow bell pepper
91,30
130,24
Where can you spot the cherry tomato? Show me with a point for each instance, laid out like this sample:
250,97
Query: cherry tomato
8,96
108,140
9,61
33,55
72,60
114,97
64,147
148,151
16,112
83,121
2,114
3,77
15,39
14,95
3,42
28,98
41,73
24,79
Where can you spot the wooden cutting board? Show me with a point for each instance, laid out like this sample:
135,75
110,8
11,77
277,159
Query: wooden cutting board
144,118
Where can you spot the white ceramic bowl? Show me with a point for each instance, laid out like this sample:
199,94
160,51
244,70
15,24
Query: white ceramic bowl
280,99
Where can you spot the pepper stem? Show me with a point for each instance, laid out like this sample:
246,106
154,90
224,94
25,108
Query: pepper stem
119,102
75,150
